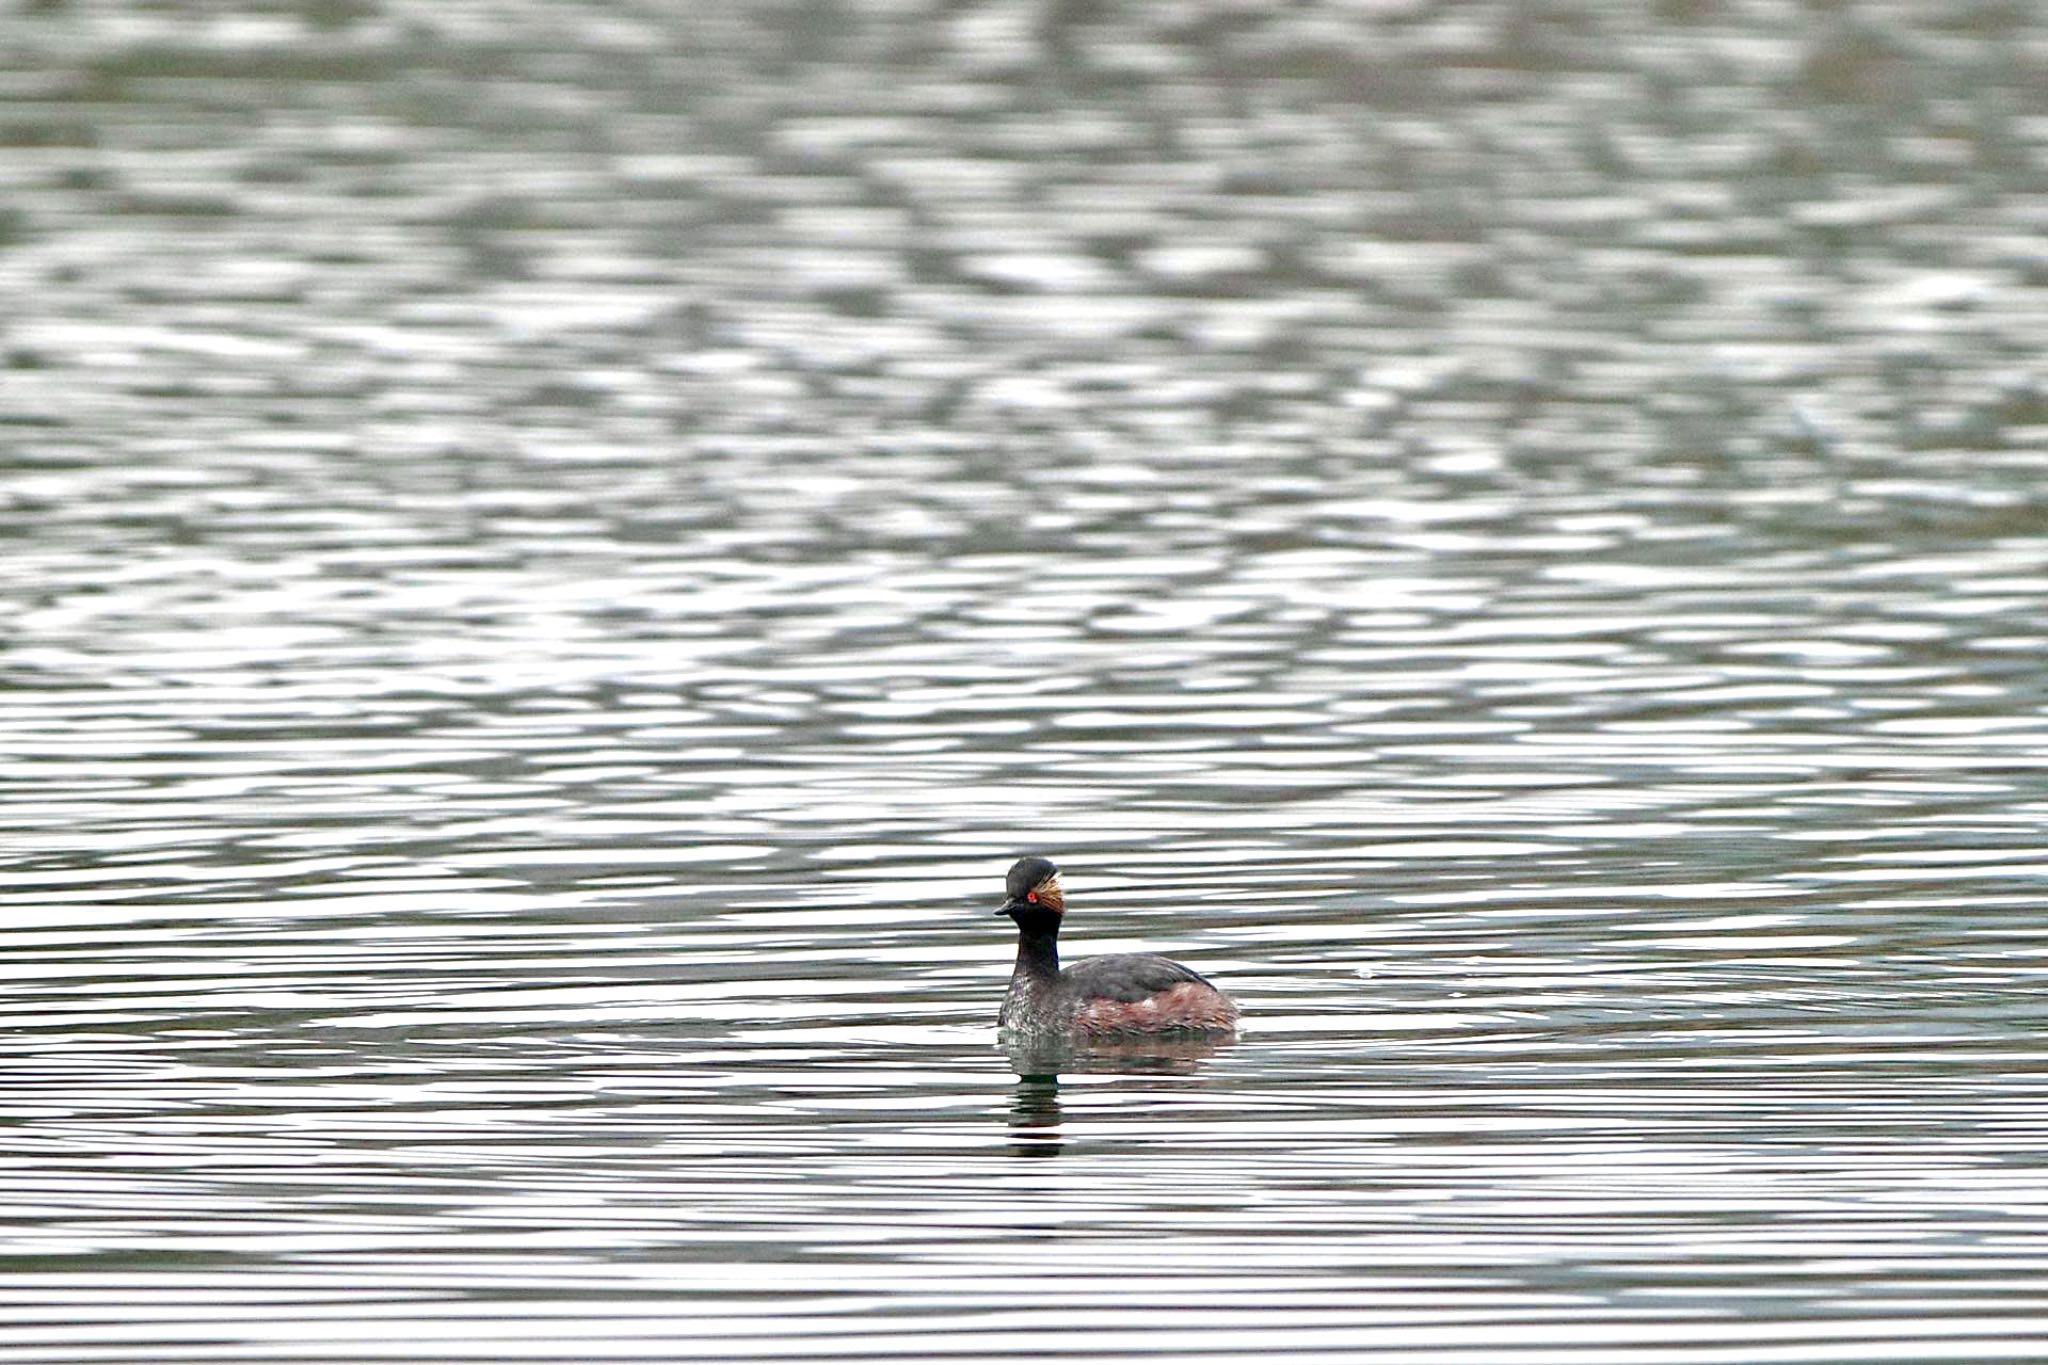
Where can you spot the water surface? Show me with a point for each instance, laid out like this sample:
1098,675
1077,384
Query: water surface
555,554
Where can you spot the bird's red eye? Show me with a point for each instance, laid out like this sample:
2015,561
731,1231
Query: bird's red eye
1031,896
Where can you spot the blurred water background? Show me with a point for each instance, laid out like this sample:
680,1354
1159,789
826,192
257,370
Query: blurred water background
555,551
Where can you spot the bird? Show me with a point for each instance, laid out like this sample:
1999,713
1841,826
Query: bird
1117,996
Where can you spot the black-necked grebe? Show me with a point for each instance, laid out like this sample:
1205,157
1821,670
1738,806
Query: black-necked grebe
1120,995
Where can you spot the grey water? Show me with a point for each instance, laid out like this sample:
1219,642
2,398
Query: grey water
553,553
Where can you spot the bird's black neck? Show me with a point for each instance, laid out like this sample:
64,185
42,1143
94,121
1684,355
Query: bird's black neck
1038,953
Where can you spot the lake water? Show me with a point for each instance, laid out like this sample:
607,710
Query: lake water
555,553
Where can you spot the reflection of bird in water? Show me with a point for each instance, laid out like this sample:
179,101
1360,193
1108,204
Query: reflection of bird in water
1035,1116
1124,995
1039,1060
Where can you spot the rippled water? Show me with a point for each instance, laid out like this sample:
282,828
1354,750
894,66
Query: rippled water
555,553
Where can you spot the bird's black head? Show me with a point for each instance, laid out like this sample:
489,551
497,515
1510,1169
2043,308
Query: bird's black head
1035,899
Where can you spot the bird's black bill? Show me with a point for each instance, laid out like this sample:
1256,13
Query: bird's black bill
1010,907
